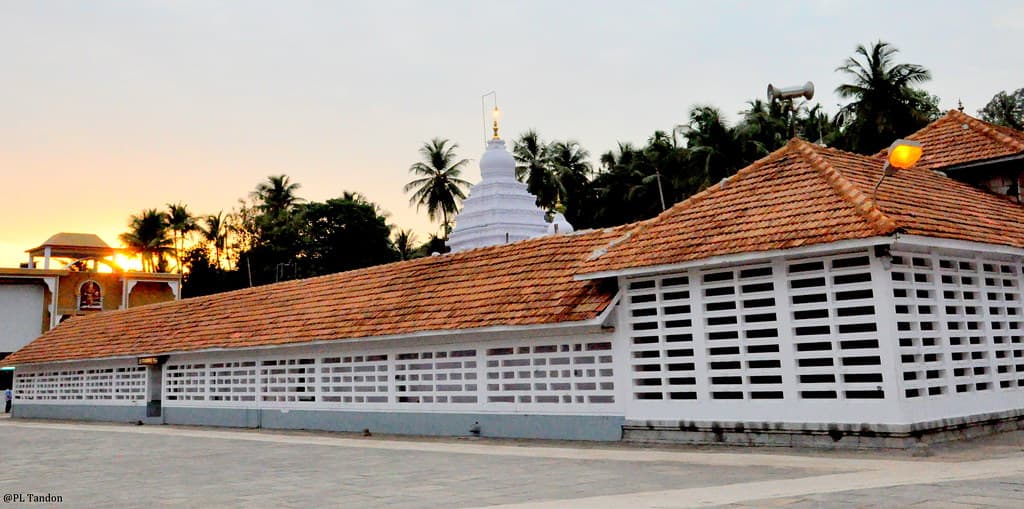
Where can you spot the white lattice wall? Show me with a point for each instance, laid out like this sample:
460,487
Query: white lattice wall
109,384
959,332
789,339
232,381
558,375
354,379
185,382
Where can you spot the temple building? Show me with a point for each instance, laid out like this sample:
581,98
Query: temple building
70,274
816,297
499,209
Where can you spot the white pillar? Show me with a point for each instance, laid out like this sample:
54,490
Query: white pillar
621,362
784,324
888,342
46,257
701,369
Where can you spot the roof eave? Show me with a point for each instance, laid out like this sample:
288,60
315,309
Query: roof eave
565,328
957,245
981,162
739,258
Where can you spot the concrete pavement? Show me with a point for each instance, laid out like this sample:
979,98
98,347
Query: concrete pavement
114,465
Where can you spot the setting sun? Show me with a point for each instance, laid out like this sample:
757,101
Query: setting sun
128,263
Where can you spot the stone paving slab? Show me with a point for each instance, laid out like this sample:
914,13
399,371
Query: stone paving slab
91,467
1003,492
112,465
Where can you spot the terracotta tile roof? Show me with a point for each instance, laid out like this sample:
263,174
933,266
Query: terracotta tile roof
71,244
803,194
525,283
75,240
958,138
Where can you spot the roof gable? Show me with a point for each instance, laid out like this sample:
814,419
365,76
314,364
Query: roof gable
804,194
71,244
526,283
791,198
959,138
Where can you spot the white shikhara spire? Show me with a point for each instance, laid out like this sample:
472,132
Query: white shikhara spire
499,209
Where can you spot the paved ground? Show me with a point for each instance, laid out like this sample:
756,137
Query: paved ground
110,465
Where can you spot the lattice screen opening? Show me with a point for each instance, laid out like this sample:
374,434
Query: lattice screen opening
185,382
123,384
288,380
555,373
834,328
657,375
130,383
233,381
354,378
445,376
957,319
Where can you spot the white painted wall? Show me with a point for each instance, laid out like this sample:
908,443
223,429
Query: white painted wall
116,382
569,375
21,315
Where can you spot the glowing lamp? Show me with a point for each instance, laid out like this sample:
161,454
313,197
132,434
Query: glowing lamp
904,154
496,114
153,360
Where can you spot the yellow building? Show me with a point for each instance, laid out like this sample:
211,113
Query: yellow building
71,274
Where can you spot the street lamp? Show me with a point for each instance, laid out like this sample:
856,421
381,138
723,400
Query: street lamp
903,154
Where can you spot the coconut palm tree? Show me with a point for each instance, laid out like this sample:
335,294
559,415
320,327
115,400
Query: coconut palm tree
147,237
276,195
715,147
404,244
1005,109
438,186
533,166
569,167
884,103
215,233
181,222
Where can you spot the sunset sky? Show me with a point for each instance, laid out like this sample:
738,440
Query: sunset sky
113,107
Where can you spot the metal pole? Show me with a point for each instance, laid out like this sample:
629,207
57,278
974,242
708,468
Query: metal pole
661,192
483,111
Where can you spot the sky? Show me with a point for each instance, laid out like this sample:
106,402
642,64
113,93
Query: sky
108,108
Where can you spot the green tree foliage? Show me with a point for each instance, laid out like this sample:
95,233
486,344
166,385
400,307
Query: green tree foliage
205,276
276,196
438,185
1005,110
343,234
276,228
404,243
533,166
181,223
278,235
149,238
214,230
884,105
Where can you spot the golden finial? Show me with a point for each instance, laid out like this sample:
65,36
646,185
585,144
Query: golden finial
496,114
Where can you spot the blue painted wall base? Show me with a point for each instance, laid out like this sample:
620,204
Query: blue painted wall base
559,427
108,413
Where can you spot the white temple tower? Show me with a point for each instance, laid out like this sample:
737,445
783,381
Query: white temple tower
499,209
